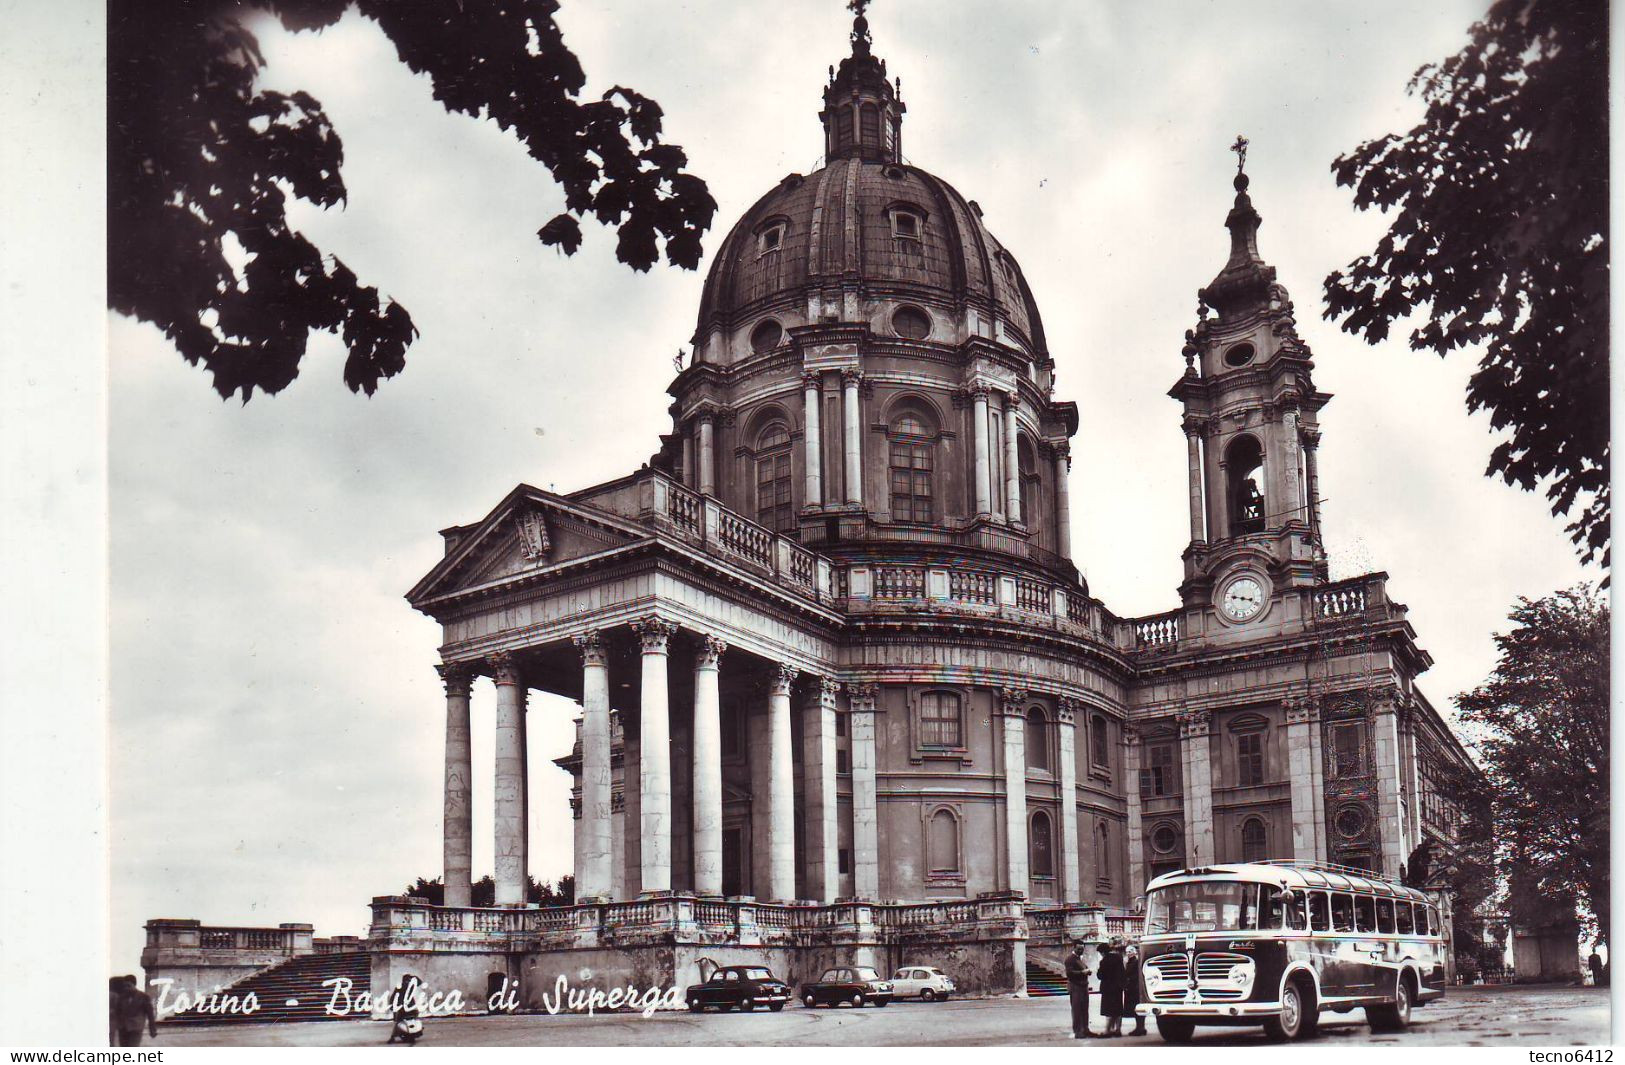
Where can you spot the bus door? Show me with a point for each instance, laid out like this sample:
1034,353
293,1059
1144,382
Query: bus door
1369,950
1338,947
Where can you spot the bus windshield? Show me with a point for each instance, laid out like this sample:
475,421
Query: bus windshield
1206,906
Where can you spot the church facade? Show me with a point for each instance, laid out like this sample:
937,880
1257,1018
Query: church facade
829,643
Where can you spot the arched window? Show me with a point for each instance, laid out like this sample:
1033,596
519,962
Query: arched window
1244,466
1038,752
941,722
774,507
1099,743
869,126
843,127
1255,840
1042,845
1026,466
943,843
913,448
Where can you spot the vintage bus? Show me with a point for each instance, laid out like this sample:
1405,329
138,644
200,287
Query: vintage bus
1277,943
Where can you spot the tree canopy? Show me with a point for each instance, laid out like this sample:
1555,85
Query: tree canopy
1500,234
483,891
1543,720
201,165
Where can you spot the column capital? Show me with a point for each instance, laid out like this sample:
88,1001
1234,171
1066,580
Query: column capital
654,633
979,391
1194,723
1196,425
828,689
1012,402
783,677
861,697
851,377
1385,697
591,646
1011,702
811,380
505,668
1300,709
1131,738
709,653
456,676
1311,438
1067,709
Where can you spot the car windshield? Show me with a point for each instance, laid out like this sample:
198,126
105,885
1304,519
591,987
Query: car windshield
1204,906
865,973
756,974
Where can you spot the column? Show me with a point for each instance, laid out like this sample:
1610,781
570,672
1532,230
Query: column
1289,469
708,767
594,876
984,470
1311,476
508,792
654,768
1385,747
812,438
1012,463
854,437
1013,717
781,776
1194,428
1063,504
1136,817
865,816
818,790
1194,729
458,842
1066,719
686,473
1300,752
708,455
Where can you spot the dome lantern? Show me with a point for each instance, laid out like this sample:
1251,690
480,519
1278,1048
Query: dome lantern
862,114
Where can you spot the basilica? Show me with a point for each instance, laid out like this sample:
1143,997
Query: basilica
840,681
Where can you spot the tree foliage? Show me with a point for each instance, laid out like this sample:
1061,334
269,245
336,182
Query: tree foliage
201,165
1543,716
483,892
1468,871
1500,233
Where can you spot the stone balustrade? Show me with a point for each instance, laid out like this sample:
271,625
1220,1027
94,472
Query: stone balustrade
1352,598
1157,633
168,934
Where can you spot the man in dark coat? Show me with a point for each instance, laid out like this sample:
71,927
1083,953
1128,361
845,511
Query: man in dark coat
1131,989
131,1011
1077,990
1111,988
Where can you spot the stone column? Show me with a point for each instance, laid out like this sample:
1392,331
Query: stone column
1063,504
818,790
984,468
781,776
1385,748
1194,428
1066,719
1311,476
1012,463
654,769
854,437
708,767
458,841
1289,469
708,454
1136,818
1013,715
594,876
1300,753
1194,729
812,438
686,474
508,792
865,815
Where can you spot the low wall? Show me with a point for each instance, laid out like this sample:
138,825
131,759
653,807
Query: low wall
184,959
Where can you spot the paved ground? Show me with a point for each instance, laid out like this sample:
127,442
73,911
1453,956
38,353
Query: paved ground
1533,1017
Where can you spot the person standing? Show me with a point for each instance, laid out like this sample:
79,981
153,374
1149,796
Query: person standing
131,1010
1111,988
1595,964
408,1026
1077,991
1131,989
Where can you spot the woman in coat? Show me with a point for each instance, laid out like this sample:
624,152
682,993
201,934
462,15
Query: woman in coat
1111,988
1131,989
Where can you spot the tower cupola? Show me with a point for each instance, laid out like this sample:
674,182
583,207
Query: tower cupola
863,112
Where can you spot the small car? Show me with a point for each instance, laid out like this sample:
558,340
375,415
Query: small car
741,987
929,984
855,985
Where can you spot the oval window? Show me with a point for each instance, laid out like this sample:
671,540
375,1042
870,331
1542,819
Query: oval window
1165,839
911,322
1351,822
1240,355
766,336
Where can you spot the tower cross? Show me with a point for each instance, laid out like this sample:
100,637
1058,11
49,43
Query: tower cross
857,6
1240,148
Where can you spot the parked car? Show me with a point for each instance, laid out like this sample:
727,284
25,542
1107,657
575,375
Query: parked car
742,987
855,985
922,981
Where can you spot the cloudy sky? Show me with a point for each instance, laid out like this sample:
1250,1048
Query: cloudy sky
277,723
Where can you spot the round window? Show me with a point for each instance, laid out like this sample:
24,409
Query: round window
1165,839
766,336
911,322
1351,822
1240,355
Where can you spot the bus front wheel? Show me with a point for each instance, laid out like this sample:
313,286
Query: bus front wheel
1297,1017
1175,1029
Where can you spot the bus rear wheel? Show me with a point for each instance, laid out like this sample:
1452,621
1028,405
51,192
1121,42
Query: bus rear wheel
1175,1029
1395,1017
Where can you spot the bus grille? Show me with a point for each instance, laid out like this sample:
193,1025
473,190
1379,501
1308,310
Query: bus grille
1175,972
1213,976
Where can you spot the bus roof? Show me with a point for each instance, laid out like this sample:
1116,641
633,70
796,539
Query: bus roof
1303,875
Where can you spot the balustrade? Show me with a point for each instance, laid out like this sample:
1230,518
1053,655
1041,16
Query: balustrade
745,538
973,586
899,582
1032,596
1340,600
1158,633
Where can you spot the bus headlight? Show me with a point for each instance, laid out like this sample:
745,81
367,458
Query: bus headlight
1153,979
1241,975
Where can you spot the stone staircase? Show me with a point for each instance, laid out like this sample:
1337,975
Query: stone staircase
291,991
1043,982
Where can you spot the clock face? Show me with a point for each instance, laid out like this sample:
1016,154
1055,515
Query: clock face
1243,599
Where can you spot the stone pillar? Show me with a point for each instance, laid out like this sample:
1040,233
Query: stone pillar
686,474
1013,716
1063,504
1301,721
708,767
984,468
1311,476
995,468
818,790
813,440
854,437
1136,818
1289,469
594,876
1012,467
1385,748
708,454
654,769
1194,428
1194,728
865,815
781,776
458,841
1071,868
508,792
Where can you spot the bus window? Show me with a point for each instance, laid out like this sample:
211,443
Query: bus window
1249,910
1320,917
1342,912
1402,917
1365,914
1385,916
1296,919
1433,921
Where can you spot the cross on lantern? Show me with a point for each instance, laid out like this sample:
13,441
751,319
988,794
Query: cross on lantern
1240,148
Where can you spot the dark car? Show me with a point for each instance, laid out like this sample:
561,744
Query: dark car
742,987
854,985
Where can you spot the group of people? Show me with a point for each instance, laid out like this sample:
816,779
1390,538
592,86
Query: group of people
1119,975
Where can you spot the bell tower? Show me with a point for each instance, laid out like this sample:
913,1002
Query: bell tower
1250,420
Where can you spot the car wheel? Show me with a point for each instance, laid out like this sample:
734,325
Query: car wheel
1298,1016
746,1005
776,1007
1395,1017
694,1005
808,1001
883,1002
857,1001
928,995
1175,1029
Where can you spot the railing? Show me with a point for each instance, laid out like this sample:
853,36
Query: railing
1045,921
899,582
973,586
775,917
713,915
745,538
244,939
1032,596
1077,609
918,915
1157,633
683,507
1126,925
1340,600
803,567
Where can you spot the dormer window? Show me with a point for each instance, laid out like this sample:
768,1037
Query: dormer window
907,224
770,238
